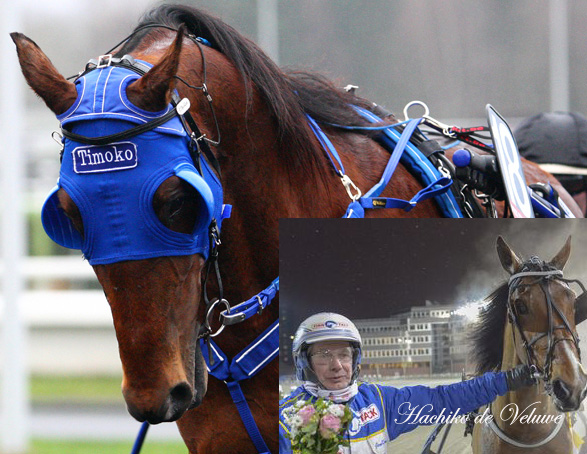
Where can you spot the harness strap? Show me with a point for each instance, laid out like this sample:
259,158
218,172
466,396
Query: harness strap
247,417
432,190
248,362
415,160
327,146
398,151
138,444
252,306
245,365
356,209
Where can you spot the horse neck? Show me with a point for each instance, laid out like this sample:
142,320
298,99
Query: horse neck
258,179
524,400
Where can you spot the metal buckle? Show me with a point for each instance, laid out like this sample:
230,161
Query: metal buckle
350,187
209,315
104,61
237,317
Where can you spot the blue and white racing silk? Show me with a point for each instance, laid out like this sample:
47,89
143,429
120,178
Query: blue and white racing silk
382,413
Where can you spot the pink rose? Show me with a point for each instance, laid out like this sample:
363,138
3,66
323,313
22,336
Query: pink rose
329,425
306,414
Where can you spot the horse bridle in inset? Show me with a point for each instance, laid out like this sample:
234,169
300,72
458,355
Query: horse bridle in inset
542,279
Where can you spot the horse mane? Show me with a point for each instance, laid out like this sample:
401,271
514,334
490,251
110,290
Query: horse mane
486,335
288,94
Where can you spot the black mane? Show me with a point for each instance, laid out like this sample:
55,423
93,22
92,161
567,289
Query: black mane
288,94
486,336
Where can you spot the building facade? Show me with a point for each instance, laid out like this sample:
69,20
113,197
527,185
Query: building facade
425,340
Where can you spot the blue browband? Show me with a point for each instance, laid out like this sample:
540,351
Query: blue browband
113,184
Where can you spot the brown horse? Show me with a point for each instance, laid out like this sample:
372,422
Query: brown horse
534,318
273,167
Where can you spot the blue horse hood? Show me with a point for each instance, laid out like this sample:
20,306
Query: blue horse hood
113,185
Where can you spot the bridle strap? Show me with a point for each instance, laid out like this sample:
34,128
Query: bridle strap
543,276
120,136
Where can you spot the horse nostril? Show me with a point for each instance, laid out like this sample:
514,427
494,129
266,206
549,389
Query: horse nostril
561,391
181,395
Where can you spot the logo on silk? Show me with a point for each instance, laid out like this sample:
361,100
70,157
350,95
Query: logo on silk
363,417
97,158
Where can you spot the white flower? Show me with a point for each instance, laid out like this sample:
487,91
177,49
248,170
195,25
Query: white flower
300,403
336,410
296,422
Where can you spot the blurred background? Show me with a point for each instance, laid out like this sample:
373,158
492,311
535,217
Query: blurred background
61,372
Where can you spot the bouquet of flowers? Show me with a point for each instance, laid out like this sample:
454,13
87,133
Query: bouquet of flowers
318,427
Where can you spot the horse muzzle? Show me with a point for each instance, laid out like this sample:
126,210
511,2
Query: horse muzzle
566,397
172,407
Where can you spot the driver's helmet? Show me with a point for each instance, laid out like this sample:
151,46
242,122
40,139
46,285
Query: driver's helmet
325,326
557,142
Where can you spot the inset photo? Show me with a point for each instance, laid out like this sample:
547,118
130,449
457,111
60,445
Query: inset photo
432,336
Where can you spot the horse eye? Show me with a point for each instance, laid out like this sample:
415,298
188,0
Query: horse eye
175,206
521,308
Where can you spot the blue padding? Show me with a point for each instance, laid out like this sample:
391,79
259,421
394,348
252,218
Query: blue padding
248,362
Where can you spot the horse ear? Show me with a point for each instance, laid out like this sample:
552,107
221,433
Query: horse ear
509,260
152,92
58,93
559,261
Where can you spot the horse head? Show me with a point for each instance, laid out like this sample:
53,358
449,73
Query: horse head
543,312
140,211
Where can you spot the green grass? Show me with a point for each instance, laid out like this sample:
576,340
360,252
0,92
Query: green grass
98,447
84,390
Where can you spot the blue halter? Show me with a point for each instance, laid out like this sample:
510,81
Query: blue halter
113,184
